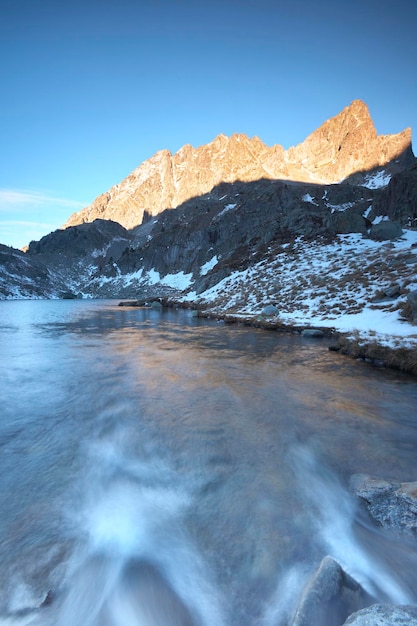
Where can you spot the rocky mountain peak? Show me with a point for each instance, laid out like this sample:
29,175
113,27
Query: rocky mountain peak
344,145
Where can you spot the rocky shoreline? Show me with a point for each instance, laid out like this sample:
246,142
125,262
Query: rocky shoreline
402,358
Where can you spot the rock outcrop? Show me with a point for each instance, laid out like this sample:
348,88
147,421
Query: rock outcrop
60,265
100,239
346,145
22,277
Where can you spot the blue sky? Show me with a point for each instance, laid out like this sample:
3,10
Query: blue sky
91,89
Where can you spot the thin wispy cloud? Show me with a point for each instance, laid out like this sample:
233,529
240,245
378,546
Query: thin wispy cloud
26,223
27,215
10,198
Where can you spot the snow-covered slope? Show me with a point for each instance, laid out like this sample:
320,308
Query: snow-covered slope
350,284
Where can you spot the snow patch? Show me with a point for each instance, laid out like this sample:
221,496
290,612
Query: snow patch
380,218
309,198
153,277
340,207
207,267
133,276
376,181
179,281
227,208
367,212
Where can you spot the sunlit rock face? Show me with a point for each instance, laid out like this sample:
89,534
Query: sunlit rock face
345,145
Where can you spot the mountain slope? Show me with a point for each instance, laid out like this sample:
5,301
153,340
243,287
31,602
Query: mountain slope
344,145
342,255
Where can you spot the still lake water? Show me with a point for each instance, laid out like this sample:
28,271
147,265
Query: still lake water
159,469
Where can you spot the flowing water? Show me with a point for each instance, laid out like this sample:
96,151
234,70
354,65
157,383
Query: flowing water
159,469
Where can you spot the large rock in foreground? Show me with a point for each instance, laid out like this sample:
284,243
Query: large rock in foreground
329,597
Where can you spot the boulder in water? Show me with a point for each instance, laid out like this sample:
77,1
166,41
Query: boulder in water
329,596
384,615
315,333
393,505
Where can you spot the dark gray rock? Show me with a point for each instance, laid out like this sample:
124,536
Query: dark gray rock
156,305
329,597
393,291
393,505
384,615
314,333
268,213
412,305
270,310
349,221
385,230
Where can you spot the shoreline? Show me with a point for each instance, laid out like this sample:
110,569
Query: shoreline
402,358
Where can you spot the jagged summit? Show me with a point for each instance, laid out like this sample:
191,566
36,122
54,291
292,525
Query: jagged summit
343,145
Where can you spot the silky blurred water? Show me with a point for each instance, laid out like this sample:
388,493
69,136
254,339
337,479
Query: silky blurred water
157,468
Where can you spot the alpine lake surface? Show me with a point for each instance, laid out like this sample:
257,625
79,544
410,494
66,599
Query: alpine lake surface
162,469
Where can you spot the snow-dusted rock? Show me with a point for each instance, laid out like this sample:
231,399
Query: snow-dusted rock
270,310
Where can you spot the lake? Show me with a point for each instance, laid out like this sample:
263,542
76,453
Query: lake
157,468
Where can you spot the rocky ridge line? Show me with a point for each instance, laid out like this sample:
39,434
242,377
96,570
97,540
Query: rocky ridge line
344,145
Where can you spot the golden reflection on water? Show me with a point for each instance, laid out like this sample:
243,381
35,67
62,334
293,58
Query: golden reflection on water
266,386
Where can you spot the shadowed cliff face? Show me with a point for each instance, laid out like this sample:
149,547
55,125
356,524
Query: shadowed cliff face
399,199
344,145
76,242
54,265
239,222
